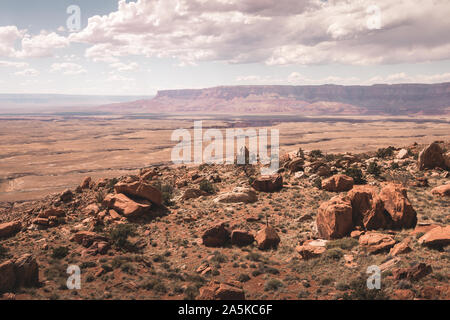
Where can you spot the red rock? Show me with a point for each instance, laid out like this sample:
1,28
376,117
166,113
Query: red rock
27,271
431,293
239,194
241,238
222,291
140,189
368,208
375,242
114,215
442,191
193,193
401,248
268,183
436,237
52,212
9,229
267,238
356,234
295,165
308,252
125,206
7,276
87,183
91,210
66,196
396,203
87,238
41,222
216,236
423,228
338,183
431,157
415,272
403,294
334,219
421,182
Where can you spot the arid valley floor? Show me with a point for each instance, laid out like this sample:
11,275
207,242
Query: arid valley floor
370,197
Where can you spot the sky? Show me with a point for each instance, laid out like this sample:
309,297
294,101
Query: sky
142,46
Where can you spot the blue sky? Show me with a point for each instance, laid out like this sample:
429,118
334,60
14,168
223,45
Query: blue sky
139,47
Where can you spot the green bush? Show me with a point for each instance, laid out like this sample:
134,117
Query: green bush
273,285
374,169
385,152
316,154
119,236
207,186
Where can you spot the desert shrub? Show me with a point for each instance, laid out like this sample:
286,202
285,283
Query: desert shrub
166,191
356,174
254,256
374,169
343,243
207,186
359,291
119,236
317,183
316,154
111,183
60,252
243,277
100,196
333,254
385,152
394,166
191,292
273,285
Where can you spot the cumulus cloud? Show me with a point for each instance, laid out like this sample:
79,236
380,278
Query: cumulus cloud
30,72
68,68
31,46
120,66
275,33
13,64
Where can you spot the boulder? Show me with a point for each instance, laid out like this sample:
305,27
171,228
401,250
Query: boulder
125,206
215,290
442,191
216,236
436,237
27,271
396,203
402,154
368,208
334,219
87,238
52,212
91,210
9,229
239,194
415,272
66,196
267,238
376,242
307,251
193,193
295,165
401,248
269,183
141,190
338,183
241,238
87,183
431,157
7,276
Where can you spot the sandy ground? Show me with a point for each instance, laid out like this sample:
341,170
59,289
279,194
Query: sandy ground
45,154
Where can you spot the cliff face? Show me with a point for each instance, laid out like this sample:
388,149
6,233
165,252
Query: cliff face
397,99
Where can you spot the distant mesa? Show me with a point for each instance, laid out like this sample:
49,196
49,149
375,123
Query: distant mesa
382,99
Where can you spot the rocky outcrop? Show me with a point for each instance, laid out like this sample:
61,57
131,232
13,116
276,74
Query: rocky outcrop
141,190
241,238
215,290
368,208
268,183
334,219
17,273
436,237
9,229
338,183
415,272
396,203
267,238
216,236
443,191
239,194
431,157
375,242
125,206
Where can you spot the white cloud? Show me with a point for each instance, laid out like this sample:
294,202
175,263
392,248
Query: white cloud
119,66
27,72
13,64
284,32
115,77
68,68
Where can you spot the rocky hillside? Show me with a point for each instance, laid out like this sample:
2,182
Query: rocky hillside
224,232
399,99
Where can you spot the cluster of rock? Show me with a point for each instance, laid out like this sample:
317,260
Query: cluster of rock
364,208
219,235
